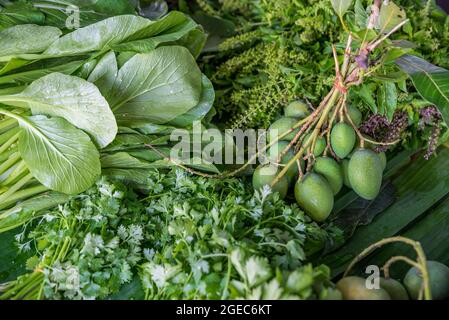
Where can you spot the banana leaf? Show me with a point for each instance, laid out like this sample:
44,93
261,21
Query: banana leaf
12,263
432,231
421,186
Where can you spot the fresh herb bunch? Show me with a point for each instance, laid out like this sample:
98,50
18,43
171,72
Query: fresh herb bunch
84,248
283,53
216,239
188,237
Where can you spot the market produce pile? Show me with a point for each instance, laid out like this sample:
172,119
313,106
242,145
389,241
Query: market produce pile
94,206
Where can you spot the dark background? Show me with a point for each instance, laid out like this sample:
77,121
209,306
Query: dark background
444,4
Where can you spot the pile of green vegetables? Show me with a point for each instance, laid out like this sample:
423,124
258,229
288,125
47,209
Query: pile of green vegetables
93,207
77,106
186,238
75,103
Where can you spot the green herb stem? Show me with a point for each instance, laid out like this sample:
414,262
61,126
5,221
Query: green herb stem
5,136
9,98
27,289
5,155
28,292
7,123
10,114
9,143
4,197
12,160
16,174
23,194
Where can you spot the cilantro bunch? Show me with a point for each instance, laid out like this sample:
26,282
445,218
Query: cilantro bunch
83,249
187,237
212,239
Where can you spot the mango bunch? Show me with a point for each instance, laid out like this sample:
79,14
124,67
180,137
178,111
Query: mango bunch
334,159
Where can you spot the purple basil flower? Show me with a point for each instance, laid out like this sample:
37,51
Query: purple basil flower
379,128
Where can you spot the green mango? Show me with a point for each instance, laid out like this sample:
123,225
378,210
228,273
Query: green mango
394,288
438,278
343,139
331,170
382,155
281,126
276,150
314,194
265,174
320,144
365,173
354,288
297,109
344,168
355,115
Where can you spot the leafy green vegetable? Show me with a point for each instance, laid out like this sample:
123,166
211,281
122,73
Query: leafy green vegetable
95,37
186,238
105,34
387,99
54,151
13,64
27,38
432,82
123,160
156,87
75,100
390,16
46,146
178,32
55,13
21,76
170,89
341,6
202,109
19,13
105,72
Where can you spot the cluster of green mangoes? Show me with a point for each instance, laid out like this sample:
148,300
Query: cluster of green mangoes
354,288
359,169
